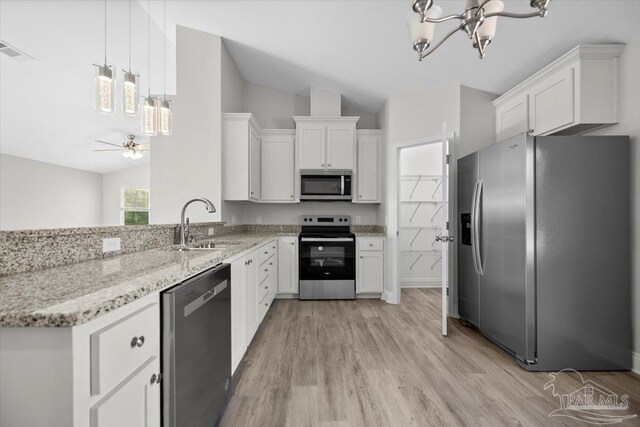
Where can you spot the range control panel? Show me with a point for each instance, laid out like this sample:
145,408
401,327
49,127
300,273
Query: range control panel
319,220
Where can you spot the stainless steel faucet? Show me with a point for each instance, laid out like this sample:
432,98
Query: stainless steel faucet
184,230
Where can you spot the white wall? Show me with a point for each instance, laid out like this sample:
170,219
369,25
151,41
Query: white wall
188,163
246,213
112,183
630,125
477,121
42,195
421,160
273,108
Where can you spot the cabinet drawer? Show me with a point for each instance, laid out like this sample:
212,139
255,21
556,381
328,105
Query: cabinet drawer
263,287
267,269
122,347
371,243
267,251
263,305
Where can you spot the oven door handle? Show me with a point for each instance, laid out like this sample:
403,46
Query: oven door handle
327,239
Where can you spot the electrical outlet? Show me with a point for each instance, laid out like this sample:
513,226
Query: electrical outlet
358,219
211,231
111,244
258,219
234,219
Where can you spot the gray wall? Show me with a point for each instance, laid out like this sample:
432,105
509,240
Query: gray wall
630,125
188,163
35,194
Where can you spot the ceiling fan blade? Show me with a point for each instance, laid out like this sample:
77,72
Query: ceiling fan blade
108,143
145,145
112,149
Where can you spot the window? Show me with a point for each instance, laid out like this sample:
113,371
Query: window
134,206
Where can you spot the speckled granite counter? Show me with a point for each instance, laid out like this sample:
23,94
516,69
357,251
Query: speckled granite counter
77,293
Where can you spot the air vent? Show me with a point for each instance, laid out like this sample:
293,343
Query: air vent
13,53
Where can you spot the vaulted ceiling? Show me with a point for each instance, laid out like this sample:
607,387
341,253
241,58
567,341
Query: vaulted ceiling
359,48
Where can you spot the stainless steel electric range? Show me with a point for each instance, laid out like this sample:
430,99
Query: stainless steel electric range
327,258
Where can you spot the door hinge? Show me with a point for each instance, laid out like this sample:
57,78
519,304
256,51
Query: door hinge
448,158
447,225
447,291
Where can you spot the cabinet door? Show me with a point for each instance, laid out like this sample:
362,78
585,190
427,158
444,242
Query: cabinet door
238,312
552,103
288,265
370,272
251,277
340,146
512,118
311,146
367,170
254,164
136,400
278,168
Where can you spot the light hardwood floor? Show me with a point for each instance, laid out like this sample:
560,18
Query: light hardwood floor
368,363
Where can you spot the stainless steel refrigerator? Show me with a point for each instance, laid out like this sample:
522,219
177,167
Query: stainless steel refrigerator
544,255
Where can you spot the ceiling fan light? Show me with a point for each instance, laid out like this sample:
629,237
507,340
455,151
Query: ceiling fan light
422,32
130,94
149,116
104,89
487,29
165,118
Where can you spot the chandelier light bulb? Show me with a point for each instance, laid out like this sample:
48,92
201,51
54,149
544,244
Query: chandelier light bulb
165,118
149,116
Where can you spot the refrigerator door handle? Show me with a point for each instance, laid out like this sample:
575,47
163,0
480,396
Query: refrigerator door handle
473,227
476,227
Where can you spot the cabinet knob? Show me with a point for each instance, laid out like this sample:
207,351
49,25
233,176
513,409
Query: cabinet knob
530,130
252,192
291,196
322,164
371,244
360,196
266,269
266,287
270,263
329,165
266,304
155,378
137,341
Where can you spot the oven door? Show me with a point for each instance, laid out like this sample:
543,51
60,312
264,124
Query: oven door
324,258
325,187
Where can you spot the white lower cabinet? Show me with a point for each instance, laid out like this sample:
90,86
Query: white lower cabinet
288,265
136,402
370,265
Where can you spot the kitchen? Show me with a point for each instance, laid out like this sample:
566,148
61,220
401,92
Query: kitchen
287,168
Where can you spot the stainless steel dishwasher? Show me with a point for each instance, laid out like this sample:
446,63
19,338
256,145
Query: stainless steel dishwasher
196,349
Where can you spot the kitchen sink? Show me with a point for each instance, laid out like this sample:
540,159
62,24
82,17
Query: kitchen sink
205,246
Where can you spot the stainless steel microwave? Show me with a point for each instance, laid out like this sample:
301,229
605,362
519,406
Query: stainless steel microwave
328,187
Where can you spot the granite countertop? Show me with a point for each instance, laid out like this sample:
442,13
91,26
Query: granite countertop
77,293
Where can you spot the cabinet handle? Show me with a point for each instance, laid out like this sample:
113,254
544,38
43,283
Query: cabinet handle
266,252
266,269
322,164
270,263
266,287
361,256
155,378
530,130
266,304
329,165
137,341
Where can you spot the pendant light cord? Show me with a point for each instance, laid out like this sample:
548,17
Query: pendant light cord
105,32
149,44
165,48
129,35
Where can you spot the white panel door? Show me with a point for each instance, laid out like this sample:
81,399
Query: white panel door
340,146
251,278
367,169
370,272
278,168
238,312
136,402
552,103
512,118
254,164
311,146
288,265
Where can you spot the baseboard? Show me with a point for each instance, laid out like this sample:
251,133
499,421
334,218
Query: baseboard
420,283
286,296
636,362
370,296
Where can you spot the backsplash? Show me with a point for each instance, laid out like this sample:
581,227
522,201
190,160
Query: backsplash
28,250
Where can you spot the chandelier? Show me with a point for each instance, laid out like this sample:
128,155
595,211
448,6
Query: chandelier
478,20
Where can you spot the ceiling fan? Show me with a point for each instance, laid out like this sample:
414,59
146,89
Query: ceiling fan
130,149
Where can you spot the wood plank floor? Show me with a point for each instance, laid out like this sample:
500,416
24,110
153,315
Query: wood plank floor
368,363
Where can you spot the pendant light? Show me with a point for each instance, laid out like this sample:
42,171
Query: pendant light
165,116
149,104
105,82
130,87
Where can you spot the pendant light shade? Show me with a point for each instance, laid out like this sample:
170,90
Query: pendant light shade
487,30
130,94
149,116
105,89
422,32
165,118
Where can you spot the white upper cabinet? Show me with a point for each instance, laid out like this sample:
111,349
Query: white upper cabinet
367,174
242,162
512,117
278,165
326,143
575,94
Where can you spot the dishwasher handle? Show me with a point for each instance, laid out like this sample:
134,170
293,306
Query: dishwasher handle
198,302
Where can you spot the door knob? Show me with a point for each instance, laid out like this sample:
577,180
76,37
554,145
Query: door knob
437,238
